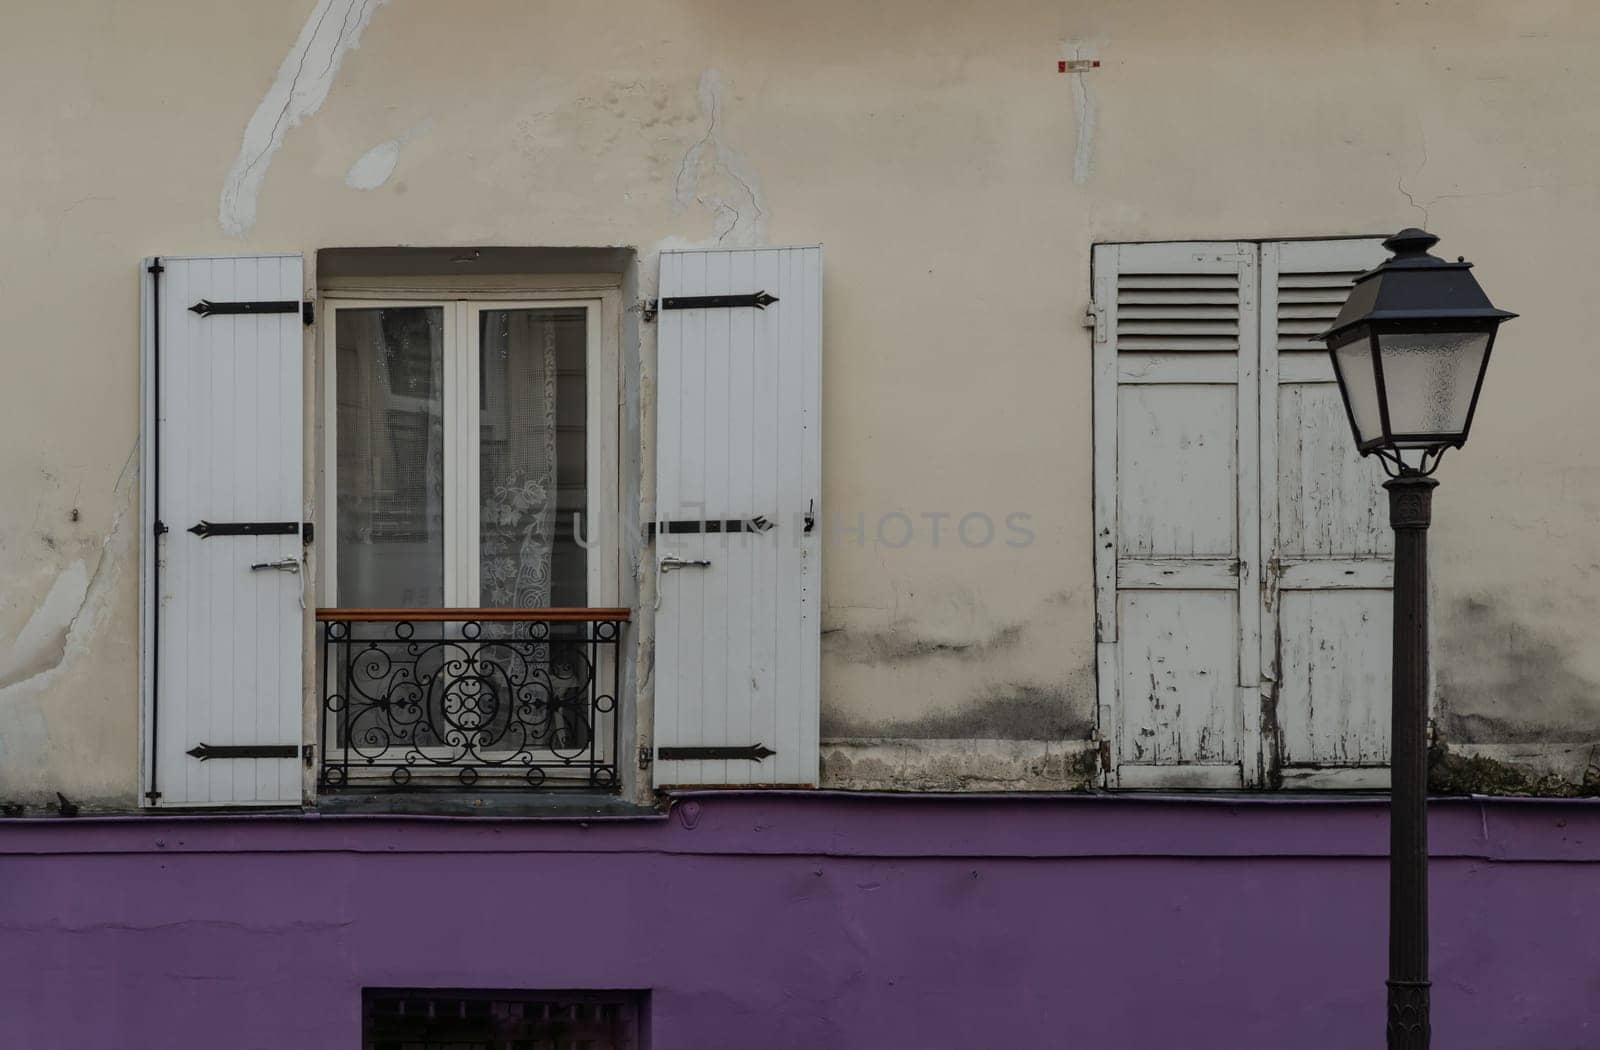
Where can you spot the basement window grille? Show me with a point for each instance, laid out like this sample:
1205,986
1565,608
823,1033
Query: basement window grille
464,1019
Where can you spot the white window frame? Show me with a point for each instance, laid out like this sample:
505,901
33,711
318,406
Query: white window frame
462,304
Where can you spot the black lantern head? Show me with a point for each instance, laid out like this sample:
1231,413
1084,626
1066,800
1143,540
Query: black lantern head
1410,348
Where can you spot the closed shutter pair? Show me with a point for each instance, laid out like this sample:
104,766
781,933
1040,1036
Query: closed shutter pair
1241,551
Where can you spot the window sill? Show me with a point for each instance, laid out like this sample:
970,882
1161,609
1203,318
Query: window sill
482,804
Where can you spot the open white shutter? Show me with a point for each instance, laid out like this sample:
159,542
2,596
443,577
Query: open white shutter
222,612
1175,518
738,441
1325,528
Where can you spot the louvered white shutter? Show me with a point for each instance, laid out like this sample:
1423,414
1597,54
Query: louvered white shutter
222,608
1175,485
1327,601
738,537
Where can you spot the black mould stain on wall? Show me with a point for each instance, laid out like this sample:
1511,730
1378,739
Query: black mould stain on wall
1500,681
1022,712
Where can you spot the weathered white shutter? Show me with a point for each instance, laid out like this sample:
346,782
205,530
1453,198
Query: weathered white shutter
222,602
1326,598
738,440
1175,517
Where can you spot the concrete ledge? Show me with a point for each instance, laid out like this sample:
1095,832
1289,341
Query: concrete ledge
905,764
572,804
838,824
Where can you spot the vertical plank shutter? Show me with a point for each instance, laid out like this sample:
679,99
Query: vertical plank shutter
1326,599
737,547
1175,519
223,506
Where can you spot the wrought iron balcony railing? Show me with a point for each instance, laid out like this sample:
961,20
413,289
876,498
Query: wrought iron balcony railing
450,698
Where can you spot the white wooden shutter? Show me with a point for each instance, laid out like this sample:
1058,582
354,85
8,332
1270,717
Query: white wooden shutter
738,439
1175,516
1326,599
222,445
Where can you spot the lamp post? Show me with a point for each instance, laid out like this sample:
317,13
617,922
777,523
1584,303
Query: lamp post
1410,348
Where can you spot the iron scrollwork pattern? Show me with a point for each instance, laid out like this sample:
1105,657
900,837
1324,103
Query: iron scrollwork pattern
470,704
1408,1026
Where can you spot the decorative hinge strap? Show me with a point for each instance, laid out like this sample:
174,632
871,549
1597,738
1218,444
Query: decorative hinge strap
205,752
207,308
759,300
750,753
759,523
207,529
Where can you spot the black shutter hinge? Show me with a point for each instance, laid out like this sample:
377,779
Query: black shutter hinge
308,313
160,528
759,300
757,524
207,308
647,310
204,752
749,752
644,756
205,529
156,267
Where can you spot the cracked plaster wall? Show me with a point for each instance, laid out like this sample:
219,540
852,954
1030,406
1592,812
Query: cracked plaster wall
957,181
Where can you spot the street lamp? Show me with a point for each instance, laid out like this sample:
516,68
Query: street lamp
1410,348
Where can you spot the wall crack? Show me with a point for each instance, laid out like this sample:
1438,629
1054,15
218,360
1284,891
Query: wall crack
292,98
716,181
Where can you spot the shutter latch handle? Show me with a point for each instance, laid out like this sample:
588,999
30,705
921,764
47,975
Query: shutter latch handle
281,565
672,562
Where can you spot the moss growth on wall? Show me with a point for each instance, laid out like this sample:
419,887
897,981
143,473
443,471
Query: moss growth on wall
1454,774
1087,766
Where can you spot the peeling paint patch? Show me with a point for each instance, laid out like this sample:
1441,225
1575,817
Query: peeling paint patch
714,176
42,643
373,168
1084,110
302,85
71,609
59,629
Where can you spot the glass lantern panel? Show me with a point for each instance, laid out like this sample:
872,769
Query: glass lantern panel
1353,362
1429,378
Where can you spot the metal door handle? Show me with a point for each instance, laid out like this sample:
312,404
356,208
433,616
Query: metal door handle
672,562
281,565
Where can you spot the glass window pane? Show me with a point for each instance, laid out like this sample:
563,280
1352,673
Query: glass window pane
1429,377
390,447
1353,360
533,469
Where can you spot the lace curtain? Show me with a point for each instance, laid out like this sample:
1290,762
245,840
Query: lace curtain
517,464
517,520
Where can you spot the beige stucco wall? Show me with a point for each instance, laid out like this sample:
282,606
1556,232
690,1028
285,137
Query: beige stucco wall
957,181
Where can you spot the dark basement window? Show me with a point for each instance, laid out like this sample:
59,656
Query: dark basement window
464,1019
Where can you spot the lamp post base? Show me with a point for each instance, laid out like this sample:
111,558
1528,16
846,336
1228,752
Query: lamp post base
1409,1027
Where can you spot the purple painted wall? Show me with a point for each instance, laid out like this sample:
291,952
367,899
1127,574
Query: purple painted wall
795,922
